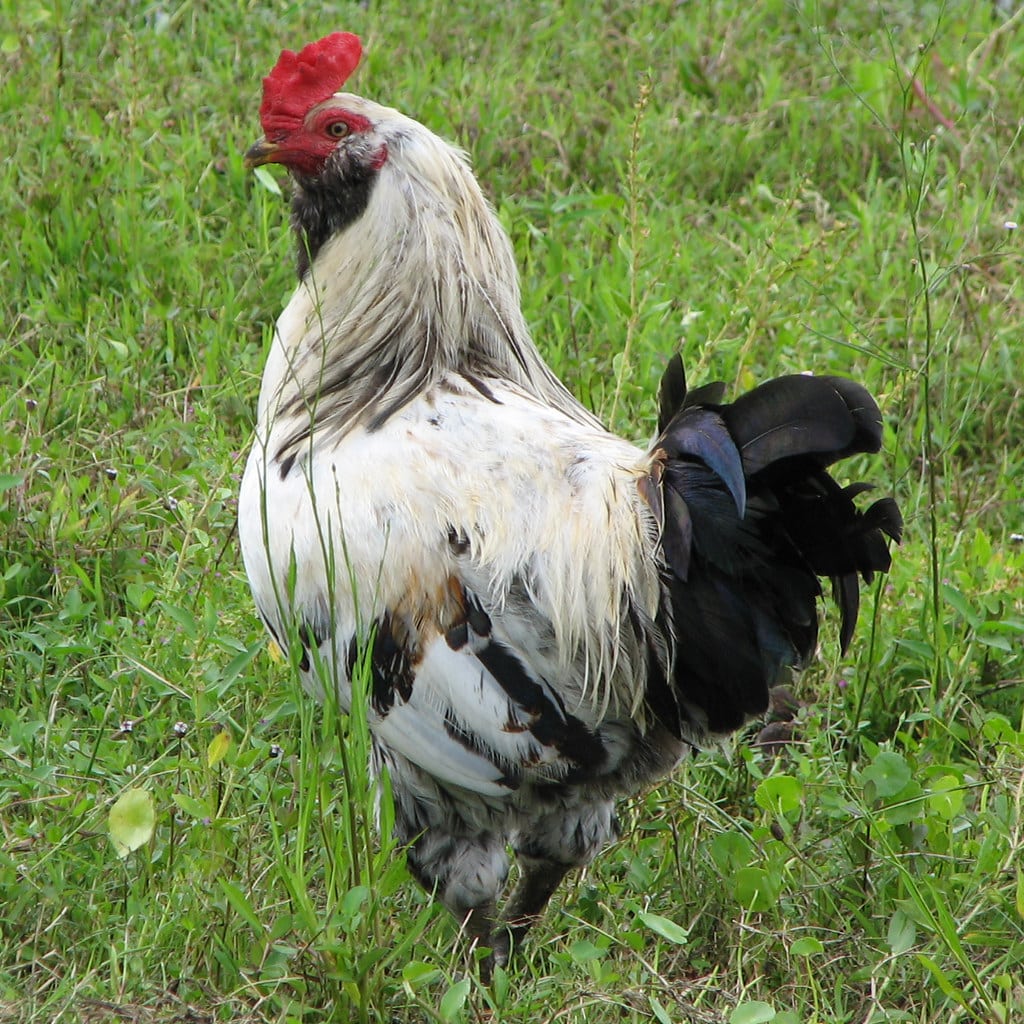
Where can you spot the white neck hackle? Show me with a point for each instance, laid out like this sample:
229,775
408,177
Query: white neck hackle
420,286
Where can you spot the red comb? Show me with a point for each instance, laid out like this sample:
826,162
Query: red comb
304,79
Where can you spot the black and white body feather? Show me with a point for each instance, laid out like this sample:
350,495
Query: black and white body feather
551,617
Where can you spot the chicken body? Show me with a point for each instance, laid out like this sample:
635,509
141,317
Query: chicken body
498,563
550,616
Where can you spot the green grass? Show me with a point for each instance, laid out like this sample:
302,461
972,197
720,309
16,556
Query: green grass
768,187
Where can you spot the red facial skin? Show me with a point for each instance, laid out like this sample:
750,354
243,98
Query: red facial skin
306,148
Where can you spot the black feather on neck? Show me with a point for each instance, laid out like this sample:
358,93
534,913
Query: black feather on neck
324,205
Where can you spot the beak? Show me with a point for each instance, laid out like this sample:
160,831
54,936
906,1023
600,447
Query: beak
262,152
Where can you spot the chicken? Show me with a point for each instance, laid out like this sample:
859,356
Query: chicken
550,617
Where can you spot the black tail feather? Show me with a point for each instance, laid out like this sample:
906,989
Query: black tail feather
820,418
752,521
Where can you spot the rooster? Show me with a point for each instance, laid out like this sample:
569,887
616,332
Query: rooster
549,618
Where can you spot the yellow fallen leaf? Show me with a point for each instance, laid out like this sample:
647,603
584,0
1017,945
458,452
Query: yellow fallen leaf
218,747
131,821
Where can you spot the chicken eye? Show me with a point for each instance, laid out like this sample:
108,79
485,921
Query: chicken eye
337,129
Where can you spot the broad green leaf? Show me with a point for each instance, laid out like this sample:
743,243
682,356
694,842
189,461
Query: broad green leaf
755,888
997,729
453,1000
416,974
960,604
902,933
1000,635
922,648
666,928
909,806
192,807
354,900
139,595
752,1012
584,950
131,821
946,796
181,617
731,850
659,1011
807,946
888,773
779,794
